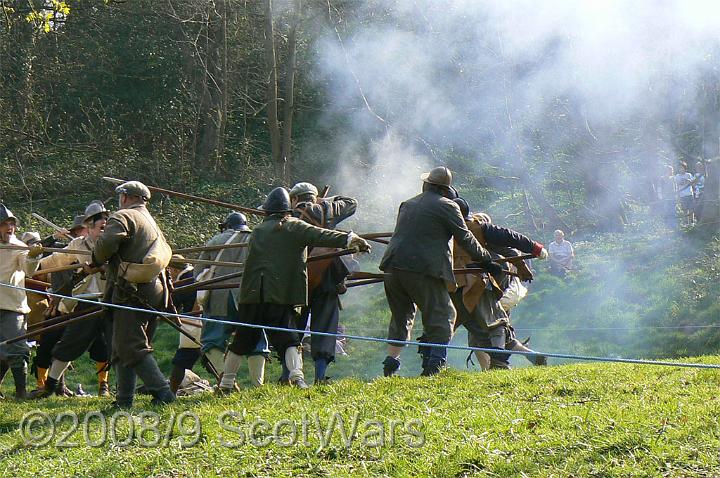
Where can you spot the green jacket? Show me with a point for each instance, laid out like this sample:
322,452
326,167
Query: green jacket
129,234
421,241
275,270
217,304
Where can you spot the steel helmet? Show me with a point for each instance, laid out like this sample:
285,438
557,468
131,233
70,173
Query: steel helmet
278,201
236,221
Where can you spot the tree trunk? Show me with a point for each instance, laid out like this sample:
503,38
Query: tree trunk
290,93
272,93
213,102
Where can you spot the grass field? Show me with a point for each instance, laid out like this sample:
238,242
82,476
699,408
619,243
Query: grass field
570,420
597,420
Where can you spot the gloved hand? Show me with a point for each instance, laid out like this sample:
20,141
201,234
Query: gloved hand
356,241
543,254
35,251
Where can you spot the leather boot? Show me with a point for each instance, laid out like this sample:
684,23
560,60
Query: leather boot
20,376
126,380
149,372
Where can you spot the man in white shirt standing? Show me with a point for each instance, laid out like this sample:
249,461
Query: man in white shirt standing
684,182
561,254
14,264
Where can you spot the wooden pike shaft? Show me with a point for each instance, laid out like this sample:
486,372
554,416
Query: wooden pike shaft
36,283
47,222
56,269
514,258
190,197
477,270
230,285
64,323
215,280
219,247
364,275
363,282
61,318
46,249
376,235
204,262
330,255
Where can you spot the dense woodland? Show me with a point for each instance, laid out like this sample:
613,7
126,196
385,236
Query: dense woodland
226,98
200,93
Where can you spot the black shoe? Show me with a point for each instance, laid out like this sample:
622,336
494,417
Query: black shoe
120,405
390,366
49,390
323,381
163,397
299,383
283,381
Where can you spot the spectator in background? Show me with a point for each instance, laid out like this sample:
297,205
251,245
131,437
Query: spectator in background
684,186
561,255
698,186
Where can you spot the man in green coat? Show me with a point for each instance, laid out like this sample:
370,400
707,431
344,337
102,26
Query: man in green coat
418,261
275,283
129,235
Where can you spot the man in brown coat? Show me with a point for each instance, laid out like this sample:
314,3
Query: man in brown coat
418,261
136,253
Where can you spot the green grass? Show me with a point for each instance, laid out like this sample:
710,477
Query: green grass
570,420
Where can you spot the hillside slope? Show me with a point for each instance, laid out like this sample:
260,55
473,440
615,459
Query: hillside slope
572,420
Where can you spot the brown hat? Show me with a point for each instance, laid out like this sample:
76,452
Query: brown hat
440,176
177,261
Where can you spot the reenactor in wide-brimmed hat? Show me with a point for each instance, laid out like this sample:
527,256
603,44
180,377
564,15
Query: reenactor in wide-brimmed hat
90,335
418,261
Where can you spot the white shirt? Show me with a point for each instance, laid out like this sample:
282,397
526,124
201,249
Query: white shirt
562,252
683,183
13,267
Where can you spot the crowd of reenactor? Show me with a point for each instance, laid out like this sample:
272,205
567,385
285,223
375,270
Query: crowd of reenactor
288,273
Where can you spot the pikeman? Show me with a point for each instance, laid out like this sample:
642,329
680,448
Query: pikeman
188,352
324,308
90,335
60,283
14,264
275,282
136,253
222,304
478,297
418,261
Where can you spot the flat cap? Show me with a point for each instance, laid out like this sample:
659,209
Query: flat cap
303,188
134,188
